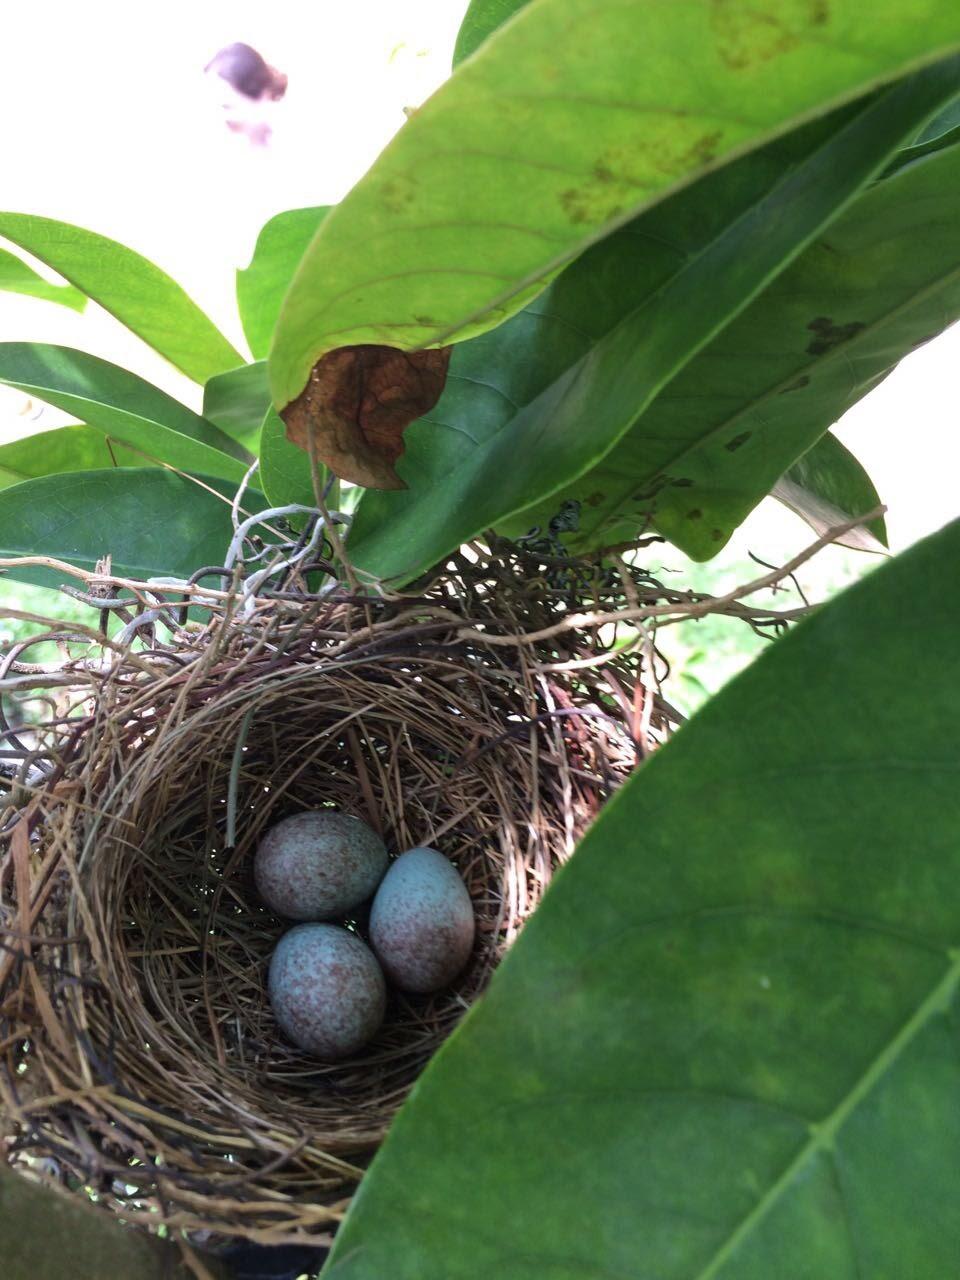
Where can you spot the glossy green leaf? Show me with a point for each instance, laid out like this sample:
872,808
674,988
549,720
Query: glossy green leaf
482,18
925,147
151,521
575,118
727,1046
260,287
284,469
131,288
17,277
77,448
539,402
884,278
826,487
944,122
123,406
236,402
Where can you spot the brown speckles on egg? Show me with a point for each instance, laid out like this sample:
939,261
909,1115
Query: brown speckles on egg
318,865
421,922
326,990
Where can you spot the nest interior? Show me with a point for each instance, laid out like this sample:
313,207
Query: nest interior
140,1054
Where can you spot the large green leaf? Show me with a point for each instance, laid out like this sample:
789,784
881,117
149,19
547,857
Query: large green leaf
482,18
151,521
76,448
123,406
285,474
826,487
577,116
540,401
130,287
881,280
236,402
260,287
17,277
727,1046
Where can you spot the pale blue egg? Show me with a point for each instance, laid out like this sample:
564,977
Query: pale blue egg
421,922
318,865
326,990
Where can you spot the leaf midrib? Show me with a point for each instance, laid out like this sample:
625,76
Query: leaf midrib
823,1135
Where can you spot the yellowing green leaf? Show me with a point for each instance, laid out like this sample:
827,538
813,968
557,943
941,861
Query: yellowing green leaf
574,118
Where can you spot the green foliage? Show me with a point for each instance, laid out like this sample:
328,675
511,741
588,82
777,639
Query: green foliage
672,373
261,286
236,402
482,18
579,115
673,243
704,654
726,1045
122,406
284,469
613,331
17,277
942,128
827,486
152,522
130,287
76,448
821,336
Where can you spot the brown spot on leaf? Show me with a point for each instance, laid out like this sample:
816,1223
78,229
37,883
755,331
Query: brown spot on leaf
733,445
595,499
716,535
397,192
750,35
682,145
802,381
682,483
702,150
830,335
357,404
695,514
587,204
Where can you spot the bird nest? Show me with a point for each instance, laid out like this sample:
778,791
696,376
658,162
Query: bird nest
475,713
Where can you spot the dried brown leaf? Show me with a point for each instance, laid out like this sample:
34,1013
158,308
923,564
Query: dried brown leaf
358,403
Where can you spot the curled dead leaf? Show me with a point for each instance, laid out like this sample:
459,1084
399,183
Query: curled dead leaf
359,401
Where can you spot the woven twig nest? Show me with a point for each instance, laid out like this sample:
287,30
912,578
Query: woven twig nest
141,1059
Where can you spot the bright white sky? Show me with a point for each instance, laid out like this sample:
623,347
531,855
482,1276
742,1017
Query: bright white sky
112,125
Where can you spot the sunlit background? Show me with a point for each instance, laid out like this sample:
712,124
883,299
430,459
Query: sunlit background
111,123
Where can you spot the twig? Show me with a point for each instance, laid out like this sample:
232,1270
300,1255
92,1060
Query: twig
673,612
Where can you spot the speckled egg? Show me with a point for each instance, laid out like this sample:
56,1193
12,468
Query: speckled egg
326,990
316,866
421,922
